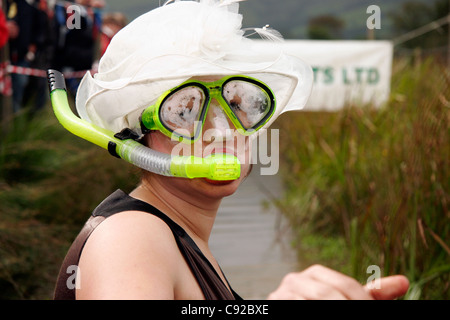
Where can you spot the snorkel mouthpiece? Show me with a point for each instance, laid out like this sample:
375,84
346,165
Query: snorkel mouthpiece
214,167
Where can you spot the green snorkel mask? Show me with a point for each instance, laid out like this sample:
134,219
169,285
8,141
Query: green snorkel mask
214,167
180,113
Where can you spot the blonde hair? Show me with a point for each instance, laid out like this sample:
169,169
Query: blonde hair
116,18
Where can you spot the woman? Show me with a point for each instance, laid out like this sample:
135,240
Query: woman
185,72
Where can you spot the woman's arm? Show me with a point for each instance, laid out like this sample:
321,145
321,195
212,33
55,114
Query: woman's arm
131,255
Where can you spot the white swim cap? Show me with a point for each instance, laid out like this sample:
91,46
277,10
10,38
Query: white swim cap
168,45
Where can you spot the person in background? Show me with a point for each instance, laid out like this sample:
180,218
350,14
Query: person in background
5,81
76,45
24,34
36,93
4,33
111,24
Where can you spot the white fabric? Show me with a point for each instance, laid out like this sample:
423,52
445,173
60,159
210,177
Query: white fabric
166,46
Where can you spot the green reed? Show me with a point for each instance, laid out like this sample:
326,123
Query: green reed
371,186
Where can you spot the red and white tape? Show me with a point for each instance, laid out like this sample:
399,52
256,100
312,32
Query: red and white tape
38,72
5,81
6,69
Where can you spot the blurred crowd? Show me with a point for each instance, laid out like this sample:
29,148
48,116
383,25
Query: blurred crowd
65,35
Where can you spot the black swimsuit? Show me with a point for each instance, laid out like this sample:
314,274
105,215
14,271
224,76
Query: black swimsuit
211,284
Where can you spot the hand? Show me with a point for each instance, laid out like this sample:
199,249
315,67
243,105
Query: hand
390,288
320,283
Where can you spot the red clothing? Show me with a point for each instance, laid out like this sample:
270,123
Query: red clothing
3,29
104,43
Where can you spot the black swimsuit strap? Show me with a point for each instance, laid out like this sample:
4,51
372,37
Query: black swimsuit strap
207,277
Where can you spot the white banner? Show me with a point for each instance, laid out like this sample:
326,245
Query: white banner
346,71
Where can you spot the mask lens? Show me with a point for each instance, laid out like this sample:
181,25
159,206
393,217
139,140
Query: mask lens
248,101
181,110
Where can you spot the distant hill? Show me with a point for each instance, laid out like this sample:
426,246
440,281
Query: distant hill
291,17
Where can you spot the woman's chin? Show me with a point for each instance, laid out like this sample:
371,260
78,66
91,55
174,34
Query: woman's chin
219,188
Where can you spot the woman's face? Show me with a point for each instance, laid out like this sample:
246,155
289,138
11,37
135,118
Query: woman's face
218,136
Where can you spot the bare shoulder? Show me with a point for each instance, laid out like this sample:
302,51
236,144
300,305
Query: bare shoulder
129,255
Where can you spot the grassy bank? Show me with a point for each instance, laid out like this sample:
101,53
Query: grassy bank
371,187
50,181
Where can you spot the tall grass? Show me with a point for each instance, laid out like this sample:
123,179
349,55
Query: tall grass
371,187
50,181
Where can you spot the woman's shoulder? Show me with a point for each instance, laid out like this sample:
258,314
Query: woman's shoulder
131,225
137,227
131,253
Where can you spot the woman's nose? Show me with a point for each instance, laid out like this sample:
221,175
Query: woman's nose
218,126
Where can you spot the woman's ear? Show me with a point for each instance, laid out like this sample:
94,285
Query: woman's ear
146,139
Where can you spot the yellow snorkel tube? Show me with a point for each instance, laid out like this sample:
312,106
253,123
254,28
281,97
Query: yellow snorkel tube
214,167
